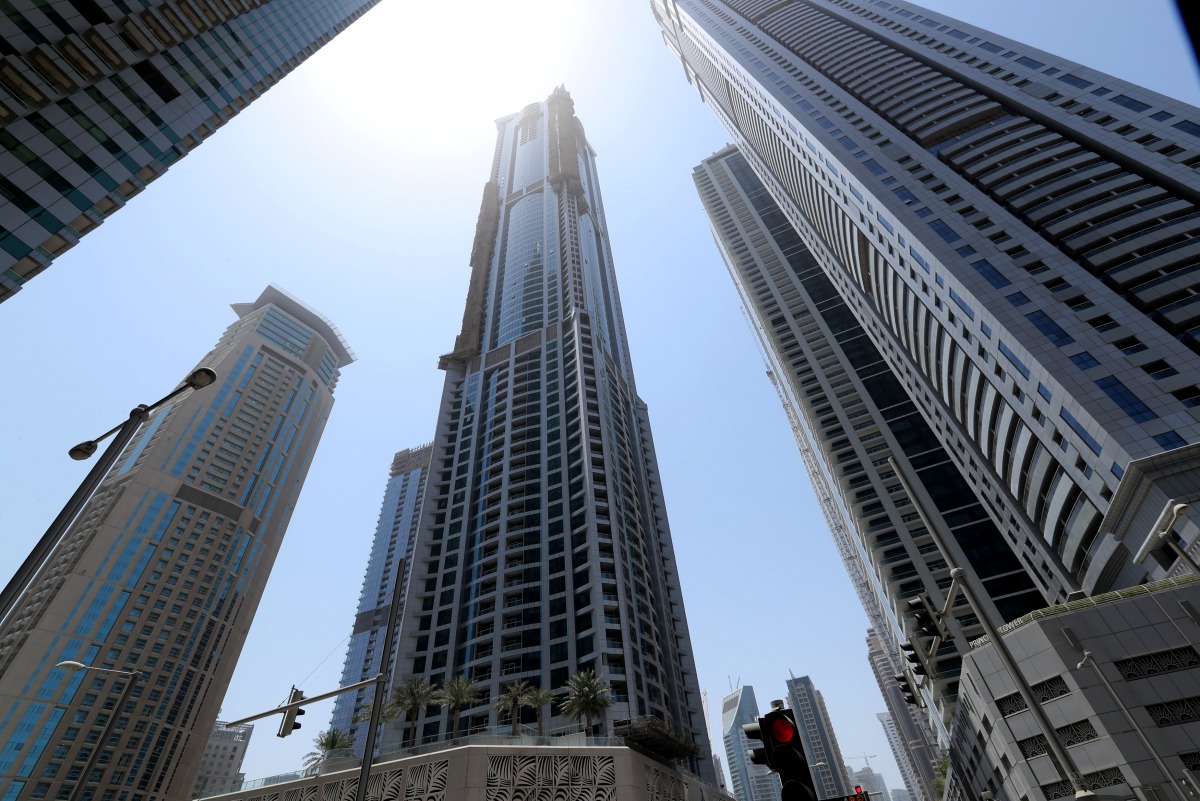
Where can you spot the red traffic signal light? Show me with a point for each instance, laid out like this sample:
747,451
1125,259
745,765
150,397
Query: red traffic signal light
783,730
857,789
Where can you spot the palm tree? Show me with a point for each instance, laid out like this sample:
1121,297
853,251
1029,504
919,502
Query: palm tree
587,696
511,699
537,698
457,692
325,744
412,694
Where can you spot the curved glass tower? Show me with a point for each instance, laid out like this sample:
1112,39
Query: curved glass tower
544,547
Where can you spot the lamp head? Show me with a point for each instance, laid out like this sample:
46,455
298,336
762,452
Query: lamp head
70,664
83,451
201,378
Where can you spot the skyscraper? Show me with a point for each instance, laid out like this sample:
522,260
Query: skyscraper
820,741
221,763
390,553
750,782
98,98
163,569
856,428
1014,233
901,754
544,548
913,745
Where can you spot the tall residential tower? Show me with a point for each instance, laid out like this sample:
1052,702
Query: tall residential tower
163,570
386,568
1015,234
820,741
544,548
99,97
750,782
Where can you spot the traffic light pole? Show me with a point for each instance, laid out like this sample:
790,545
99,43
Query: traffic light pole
1023,689
283,708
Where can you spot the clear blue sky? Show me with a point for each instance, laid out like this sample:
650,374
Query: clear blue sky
354,184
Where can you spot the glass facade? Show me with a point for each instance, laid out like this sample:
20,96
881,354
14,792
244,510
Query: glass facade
99,97
162,571
387,567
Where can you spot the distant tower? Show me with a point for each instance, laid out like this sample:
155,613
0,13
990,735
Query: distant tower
820,741
221,764
872,782
900,753
164,568
99,97
544,548
750,782
390,554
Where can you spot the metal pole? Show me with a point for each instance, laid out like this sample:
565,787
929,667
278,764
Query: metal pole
389,637
1091,662
1026,692
33,563
87,770
1023,688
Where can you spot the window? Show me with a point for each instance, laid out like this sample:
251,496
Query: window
993,276
1085,360
1053,331
1124,397
1170,440
1129,103
1012,357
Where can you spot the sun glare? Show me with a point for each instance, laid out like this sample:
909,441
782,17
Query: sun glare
417,74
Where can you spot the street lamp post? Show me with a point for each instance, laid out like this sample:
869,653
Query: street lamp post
1161,533
33,564
133,675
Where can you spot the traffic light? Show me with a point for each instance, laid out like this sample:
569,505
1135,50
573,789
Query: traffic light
783,752
289,724
924,623
755,731
915,657
907,689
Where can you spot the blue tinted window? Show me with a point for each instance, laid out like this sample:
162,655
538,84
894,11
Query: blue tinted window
873,166
965,250
962,304
920,259
1025,61
1084,360
1012,357
944,231
1053,331
987,330
1161,115
940,281
1101,92
991,48
1045,393
1189,127
1078,83
1124,397
1129,102
1170,440
1018,299
848,143
993,276
856,193
957,34
1078,428
1117,470
908,197
884,222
